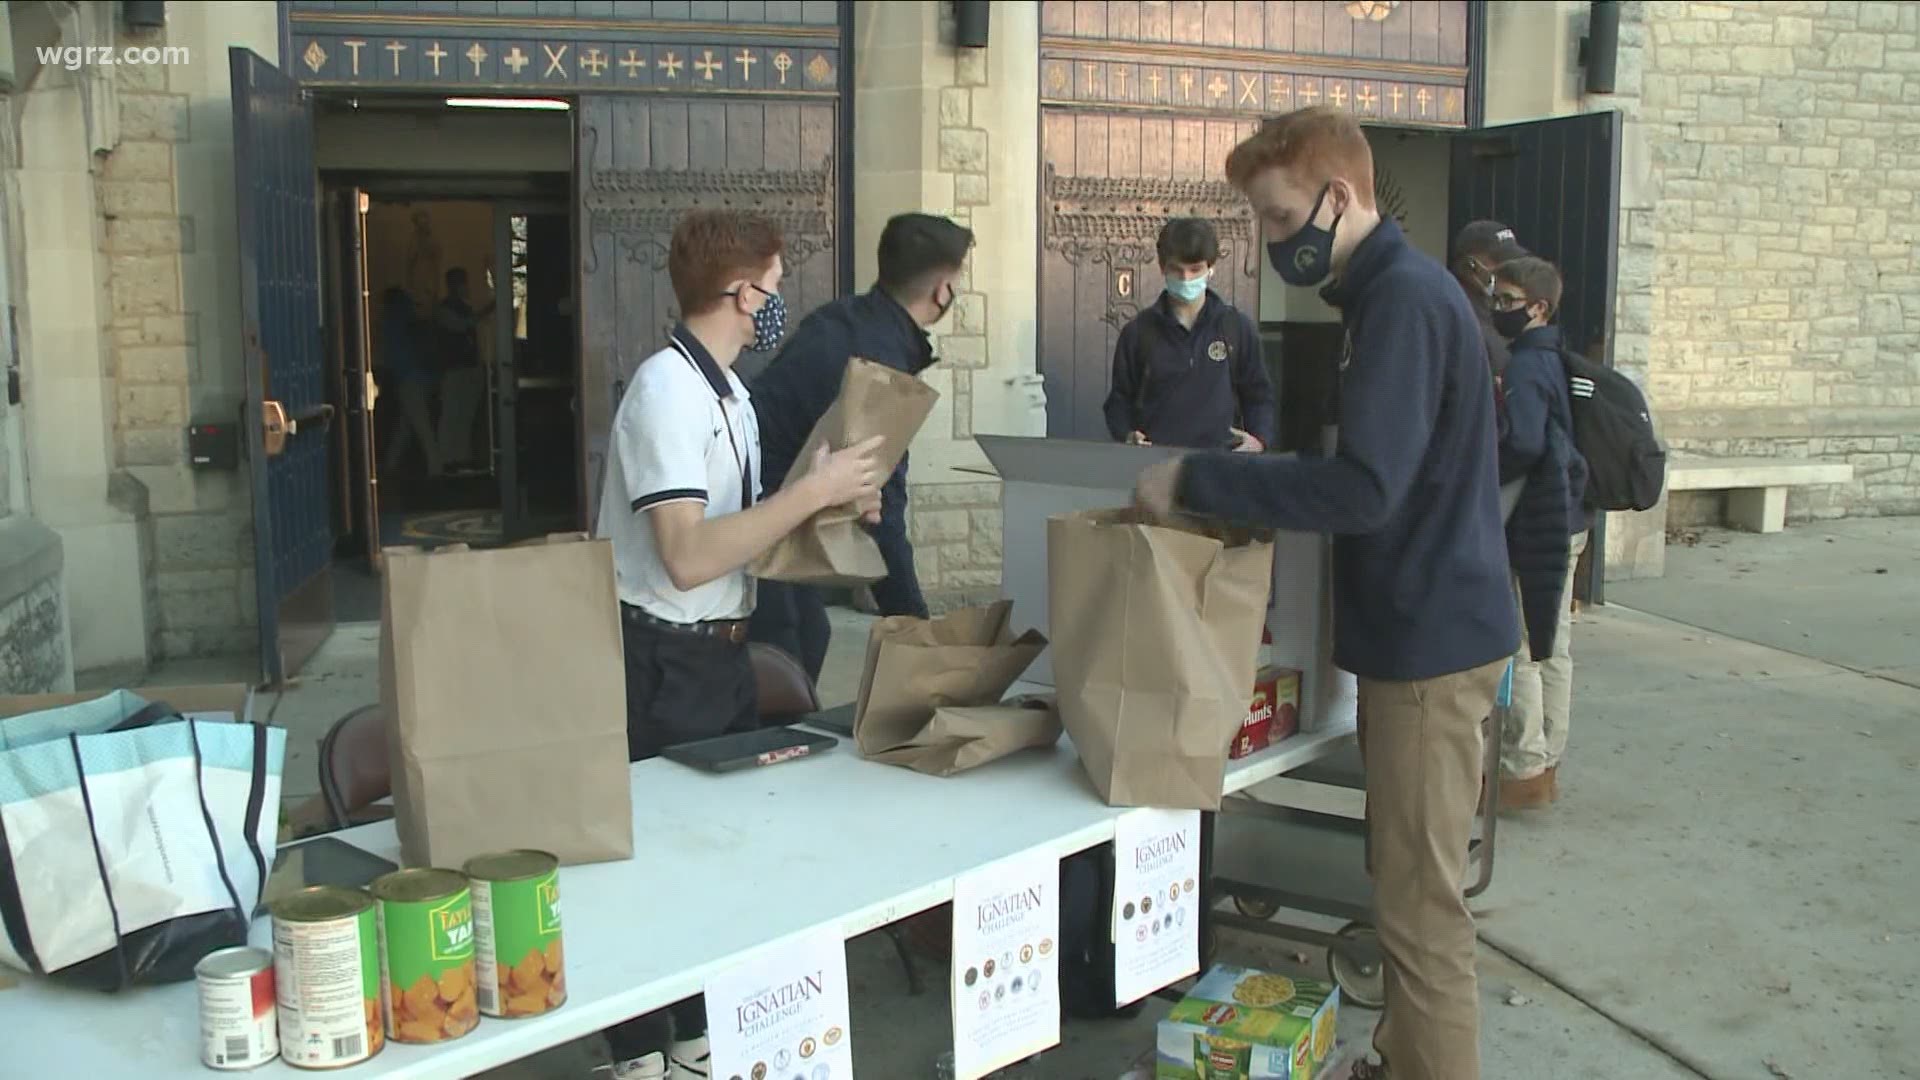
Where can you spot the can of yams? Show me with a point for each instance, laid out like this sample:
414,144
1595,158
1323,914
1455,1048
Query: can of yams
426,954
238,1027
326,959
516,919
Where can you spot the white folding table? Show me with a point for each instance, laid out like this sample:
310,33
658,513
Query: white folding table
724,866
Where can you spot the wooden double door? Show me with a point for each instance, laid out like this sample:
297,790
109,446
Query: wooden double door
643,162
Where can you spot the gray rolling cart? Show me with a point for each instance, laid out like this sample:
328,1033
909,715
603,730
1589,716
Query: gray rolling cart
1269,859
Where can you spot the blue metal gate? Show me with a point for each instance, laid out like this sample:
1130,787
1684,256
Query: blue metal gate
287,412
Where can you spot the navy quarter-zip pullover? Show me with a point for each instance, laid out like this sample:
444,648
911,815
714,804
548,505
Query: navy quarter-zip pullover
798,387
1188,387
1411,492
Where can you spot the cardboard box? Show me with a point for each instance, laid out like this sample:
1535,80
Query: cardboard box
1041,478
1273,714
229,702
1248,1025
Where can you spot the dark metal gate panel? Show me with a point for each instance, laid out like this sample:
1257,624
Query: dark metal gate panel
1557,184
1112,180
278,218
643,162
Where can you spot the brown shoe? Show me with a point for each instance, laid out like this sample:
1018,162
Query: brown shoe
1529,794
1553,783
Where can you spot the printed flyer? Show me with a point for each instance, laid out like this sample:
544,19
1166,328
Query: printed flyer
1006,931
1156,901
783,1015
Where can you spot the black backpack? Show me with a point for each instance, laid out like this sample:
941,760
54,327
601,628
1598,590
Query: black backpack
1613,430
1086,938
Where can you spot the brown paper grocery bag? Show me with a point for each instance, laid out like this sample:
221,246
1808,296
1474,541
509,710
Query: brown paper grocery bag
833,547
503,679
1156,631
916,667
962,737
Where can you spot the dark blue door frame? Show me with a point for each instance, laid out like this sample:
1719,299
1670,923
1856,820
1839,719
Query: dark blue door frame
276,203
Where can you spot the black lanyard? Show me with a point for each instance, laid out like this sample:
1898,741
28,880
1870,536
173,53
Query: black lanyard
746,474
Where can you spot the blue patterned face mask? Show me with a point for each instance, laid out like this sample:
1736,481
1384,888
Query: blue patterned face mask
1189,290
769,323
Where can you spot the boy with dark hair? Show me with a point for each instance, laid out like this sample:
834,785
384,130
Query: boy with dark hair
684,510
1548,530
921,259
1422,597
1188,371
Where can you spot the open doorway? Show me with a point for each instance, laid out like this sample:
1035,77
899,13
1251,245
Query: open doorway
451,314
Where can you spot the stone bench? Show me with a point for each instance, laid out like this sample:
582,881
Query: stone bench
1756,487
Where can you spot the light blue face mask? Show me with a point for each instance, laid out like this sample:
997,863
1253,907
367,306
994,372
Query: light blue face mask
1189,290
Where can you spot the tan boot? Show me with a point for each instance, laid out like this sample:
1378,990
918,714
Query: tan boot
1528,794
1553,783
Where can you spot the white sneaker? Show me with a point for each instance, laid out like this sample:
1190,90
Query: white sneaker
651,1067
692,1060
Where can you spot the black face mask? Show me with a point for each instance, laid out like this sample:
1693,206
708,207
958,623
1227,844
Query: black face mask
1511,323
952,296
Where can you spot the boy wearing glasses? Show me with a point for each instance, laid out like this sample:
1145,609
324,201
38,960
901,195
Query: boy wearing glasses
1547,531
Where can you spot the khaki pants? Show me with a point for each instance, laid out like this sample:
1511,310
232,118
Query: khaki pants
1536,734
1424,752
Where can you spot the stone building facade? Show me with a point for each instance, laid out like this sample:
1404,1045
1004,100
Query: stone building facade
1769,279
124,290
981,179
1766,277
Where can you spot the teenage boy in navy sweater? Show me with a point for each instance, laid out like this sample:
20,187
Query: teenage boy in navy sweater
1423,603
1187,371
1548,531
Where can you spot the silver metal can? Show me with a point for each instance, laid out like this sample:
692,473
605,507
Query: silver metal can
327,955
239,1025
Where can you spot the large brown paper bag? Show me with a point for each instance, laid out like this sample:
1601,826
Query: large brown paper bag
916,667
503,678
1156,632
833,547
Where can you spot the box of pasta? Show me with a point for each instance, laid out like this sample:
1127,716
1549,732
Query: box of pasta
1241,1024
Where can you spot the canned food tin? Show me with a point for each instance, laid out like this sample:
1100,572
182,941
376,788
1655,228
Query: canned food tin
426,955
238,1028
516,920
1223,1058
326,956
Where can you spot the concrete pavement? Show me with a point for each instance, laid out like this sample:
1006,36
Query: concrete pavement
1847,592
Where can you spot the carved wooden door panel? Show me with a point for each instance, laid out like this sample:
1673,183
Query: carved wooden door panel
1110,182
643,162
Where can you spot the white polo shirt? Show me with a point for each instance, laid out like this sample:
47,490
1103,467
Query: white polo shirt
685,432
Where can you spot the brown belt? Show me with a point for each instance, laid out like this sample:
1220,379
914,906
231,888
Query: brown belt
731,631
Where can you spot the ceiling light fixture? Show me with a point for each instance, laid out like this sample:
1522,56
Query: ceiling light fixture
505,103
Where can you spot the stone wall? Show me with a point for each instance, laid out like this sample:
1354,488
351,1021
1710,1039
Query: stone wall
954,131
166,196
33,642
1784,315
57,285
34,653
